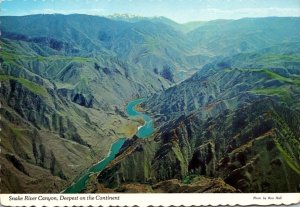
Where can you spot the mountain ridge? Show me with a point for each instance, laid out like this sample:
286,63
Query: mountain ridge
225,121
65,81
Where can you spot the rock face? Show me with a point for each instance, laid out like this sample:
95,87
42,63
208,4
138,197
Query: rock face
61,108
252,157
236,122
43,136
196,184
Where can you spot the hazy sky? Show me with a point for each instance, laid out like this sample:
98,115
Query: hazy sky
178,10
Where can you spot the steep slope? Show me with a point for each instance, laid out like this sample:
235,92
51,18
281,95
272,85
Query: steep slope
45,136
92,79
65,80
146,44
60,109
229,37
56,129
151,44
236,119
270,68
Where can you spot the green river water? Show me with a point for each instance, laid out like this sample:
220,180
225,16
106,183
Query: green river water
143,132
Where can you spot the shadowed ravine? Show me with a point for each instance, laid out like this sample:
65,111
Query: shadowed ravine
143,132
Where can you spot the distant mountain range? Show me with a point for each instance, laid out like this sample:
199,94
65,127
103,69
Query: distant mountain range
220,91
185,27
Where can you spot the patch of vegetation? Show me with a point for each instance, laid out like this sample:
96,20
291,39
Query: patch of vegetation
281,92
287,158
64,85
281,57
294,80
13,57
188,179
75,59
152,43
17,131
276,76
180,158
297,81
33,87
9,57
269,73
228,70
83,84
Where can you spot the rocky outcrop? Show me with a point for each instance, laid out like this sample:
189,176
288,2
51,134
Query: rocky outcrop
39,109
195,185
191,184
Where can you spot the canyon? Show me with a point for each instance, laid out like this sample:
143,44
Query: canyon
222,99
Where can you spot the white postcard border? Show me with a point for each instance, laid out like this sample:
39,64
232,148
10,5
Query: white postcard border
154,199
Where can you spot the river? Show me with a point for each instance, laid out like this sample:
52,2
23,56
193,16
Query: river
143,132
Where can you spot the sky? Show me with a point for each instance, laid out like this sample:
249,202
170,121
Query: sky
181,11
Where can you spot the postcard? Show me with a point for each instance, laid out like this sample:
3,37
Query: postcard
149,102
